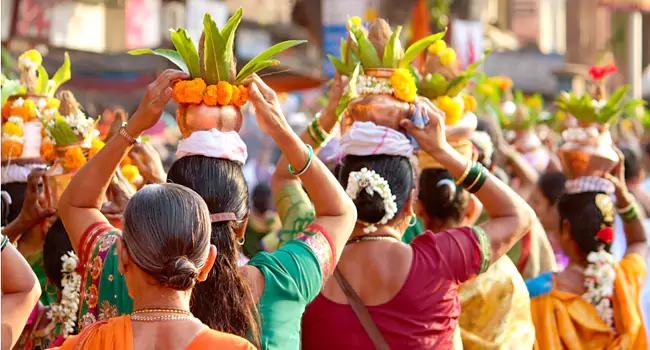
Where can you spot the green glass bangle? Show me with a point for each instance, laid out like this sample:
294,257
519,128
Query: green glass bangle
313,137
315,126
480,182
630,215
311,155
472,177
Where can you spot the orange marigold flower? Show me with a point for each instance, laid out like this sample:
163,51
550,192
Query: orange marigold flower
6,109
189,91
235,95
30,109
74,159
20,111
210,97
224,93
47,152
126,161
243,95
130,173
11,149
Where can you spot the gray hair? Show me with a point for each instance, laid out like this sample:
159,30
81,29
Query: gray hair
167,233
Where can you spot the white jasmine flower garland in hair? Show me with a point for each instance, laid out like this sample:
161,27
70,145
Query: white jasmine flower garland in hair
65,312
599,281
372,183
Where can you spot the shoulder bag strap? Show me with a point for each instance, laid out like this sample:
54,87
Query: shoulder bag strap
362,313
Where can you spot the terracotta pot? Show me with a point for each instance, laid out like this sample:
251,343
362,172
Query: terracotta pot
593,156
193,117
57,178
382,74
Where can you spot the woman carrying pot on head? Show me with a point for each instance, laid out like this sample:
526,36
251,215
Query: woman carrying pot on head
230,297
594,301
499,293
406,295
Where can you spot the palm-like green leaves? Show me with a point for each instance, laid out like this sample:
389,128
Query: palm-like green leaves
418,47
217,52
588,110
61,131
61,76
434,85
10,88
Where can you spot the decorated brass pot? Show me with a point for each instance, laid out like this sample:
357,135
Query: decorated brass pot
381,109
526,141
57,177
196,117
588,150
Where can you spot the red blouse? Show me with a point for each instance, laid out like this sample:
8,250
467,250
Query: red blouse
423,314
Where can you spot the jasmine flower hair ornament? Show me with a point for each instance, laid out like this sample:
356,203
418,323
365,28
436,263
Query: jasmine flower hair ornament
372,183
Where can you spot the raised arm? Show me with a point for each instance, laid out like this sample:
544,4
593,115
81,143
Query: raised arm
20,293
510,216
328,120
80,204
335,211
630,212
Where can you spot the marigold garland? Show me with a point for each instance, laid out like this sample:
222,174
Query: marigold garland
404,85
195,91
74,159
12,129
469,102
126,161
452,109
11,149
6,109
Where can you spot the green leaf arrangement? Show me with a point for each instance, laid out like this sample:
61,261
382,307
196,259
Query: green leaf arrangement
435,85
44,85
62,133
358,49
215,57
584,109
10,88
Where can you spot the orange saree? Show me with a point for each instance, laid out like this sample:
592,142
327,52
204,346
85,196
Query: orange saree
117,333
567,321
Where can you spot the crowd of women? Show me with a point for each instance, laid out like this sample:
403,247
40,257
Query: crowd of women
375,249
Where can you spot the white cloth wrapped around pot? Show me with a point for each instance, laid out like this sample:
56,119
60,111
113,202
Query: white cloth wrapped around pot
367,138
214,144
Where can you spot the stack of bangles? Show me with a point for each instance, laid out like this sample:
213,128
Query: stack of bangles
4,240
473,177
628,213
309,157
317,133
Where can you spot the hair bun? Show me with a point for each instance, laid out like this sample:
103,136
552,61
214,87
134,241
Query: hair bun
179,274
370,207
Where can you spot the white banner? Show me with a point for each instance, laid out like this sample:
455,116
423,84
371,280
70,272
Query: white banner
79,26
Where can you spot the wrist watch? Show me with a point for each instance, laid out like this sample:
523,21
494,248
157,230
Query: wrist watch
126,135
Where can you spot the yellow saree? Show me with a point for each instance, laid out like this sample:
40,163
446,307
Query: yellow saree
567,321
495,309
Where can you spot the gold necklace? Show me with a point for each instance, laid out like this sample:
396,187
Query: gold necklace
161,318
372,238
161,310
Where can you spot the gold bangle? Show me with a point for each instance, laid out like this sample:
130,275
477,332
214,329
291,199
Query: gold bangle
467,170
626,209
478,176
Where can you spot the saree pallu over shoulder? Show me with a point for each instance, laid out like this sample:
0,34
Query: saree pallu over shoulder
567,321
103,290
295,211
495,309
117,334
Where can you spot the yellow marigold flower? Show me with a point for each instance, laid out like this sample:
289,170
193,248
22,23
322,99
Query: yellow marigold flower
561,115
30,109
74,159
486,89
12,129
534,103
453,112
626,124
437,47
224,93
210,97
371,14
404,85
126,161
30,60
52,103
447,56
469,102
130,172
47,152
6,109
11,149
95,147
354,21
